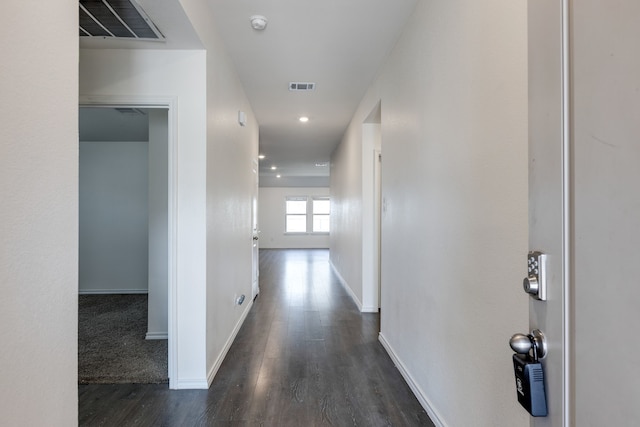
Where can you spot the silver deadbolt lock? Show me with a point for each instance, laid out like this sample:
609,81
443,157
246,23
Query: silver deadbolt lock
535,284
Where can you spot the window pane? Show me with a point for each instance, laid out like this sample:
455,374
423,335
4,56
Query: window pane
321,206
296,224
296,207
321,223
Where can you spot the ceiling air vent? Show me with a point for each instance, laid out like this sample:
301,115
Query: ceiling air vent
130,111
301,86
116,19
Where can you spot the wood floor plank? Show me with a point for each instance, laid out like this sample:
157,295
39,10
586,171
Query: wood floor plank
305,356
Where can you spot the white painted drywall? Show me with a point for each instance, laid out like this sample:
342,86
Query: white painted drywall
454,221
231,150
346,238
271,213
181,75
353,245
158,303
113,185
39,213
605,110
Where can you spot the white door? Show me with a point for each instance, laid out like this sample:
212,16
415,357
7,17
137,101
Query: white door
584,205
547,205
255,285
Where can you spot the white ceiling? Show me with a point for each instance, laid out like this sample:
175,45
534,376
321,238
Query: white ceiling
338,44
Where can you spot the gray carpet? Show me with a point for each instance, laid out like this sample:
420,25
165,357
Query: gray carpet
111,342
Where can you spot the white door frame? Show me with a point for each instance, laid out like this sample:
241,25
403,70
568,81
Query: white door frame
169,103
255,228
567,215
377,215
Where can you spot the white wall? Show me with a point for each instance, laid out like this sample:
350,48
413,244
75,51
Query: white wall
132,75
158,297
39,213
271,219
346,210
113,185
454,223
231,150
605,100
354,248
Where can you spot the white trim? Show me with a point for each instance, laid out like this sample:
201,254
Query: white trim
156,336
128,101
227,345
173,241
417,391
113,142
346,287
190,384
171,103
566,219
113,291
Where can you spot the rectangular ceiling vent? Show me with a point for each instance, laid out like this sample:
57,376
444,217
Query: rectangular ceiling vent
130,111
122,19
301,86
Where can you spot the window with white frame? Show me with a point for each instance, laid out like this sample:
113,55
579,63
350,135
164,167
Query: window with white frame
304,214
321,210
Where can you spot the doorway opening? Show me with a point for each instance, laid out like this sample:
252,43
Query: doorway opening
371,201
126,246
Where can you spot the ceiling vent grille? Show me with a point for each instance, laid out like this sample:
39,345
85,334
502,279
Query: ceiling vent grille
301,86
116,19
130,111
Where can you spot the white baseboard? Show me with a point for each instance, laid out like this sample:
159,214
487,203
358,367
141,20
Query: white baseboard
113,291
369,309
157,336
420,395
346,287
214,369
192,384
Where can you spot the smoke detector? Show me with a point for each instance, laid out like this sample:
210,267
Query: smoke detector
258,22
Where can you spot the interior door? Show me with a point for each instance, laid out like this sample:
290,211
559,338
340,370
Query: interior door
255,270
548,207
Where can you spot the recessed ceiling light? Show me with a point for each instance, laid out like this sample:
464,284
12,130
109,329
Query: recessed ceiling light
274,168
258,22
261,156
278,176
304,119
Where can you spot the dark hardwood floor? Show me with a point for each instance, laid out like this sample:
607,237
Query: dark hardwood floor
305,356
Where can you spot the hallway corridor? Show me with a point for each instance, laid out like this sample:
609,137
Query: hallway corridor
305,356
